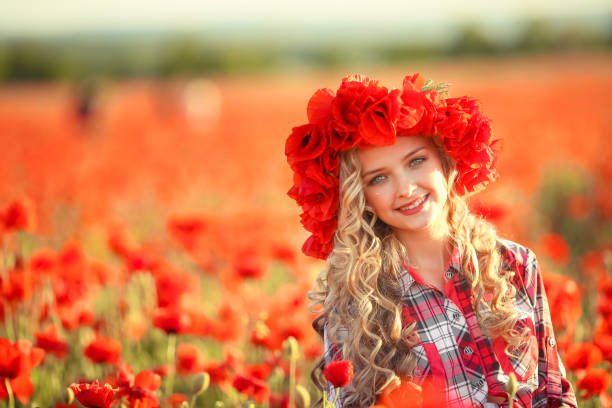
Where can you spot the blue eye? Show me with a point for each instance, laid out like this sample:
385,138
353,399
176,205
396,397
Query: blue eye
416,161
377,179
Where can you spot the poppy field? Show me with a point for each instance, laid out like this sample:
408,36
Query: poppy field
151,257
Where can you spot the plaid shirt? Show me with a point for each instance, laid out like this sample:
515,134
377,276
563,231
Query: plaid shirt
469,365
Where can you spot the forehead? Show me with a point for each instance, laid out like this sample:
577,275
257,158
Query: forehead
380,156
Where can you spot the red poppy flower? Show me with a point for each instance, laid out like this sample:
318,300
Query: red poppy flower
319,106
188,359
260,371
187,230
581,356
171,320
339,373
18,371
593,381
377,124
94,395
103,350
555,247
172,284
304,143
491,213
176,400
19,214
42,261
219,373
408,394
592,263
355,94
49,341
10,361
249,264
252,387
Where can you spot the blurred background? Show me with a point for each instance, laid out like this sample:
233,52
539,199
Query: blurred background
149,138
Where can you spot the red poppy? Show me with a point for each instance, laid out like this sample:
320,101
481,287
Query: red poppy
219,373
147,380
17,285
593,381
339,373
18,371
94,395
188,359
564,299
252,387
555,247
49,341
187,230
176,400
103,350
9,364
319,106
377,124
581,356
18,215
171,320
42,261
249,264
172,284
409,394
491,213
260,371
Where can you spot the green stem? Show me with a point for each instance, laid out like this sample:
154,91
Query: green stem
9,390
171,354
291,382
8,322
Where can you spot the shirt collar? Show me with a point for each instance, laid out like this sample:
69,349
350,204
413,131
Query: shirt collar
408,275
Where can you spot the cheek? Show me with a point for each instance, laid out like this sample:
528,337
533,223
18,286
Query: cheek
378,199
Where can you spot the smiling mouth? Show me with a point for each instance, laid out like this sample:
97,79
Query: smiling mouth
414,204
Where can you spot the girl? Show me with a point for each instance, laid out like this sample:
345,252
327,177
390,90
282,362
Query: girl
416,287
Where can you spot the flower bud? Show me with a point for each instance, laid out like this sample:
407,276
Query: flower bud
69,395
292,348
303,397
201,383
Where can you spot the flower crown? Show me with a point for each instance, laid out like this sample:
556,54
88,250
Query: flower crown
364,113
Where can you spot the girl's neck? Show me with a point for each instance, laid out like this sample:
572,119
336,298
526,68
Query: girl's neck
427,249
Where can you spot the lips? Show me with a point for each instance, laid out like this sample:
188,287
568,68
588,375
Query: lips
404,209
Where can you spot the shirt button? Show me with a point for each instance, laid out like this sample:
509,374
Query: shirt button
449,274
551,341
468,351
477,383
456,316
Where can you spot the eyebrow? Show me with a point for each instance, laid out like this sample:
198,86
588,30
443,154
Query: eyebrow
382,168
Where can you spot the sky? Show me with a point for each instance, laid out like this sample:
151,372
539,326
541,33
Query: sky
65,17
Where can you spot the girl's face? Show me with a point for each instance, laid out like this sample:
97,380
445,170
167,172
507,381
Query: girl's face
405,184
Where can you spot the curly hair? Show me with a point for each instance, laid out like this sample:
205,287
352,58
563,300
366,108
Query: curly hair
359,290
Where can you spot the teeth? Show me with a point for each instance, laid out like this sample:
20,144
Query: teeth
410,207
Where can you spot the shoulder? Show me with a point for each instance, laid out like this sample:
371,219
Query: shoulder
515,254
522,261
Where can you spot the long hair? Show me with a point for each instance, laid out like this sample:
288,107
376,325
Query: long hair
359,290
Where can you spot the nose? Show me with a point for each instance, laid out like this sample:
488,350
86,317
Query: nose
406,186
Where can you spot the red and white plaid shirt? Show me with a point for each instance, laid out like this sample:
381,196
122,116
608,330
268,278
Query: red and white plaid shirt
471,366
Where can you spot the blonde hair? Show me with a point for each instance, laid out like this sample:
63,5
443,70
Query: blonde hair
360,291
